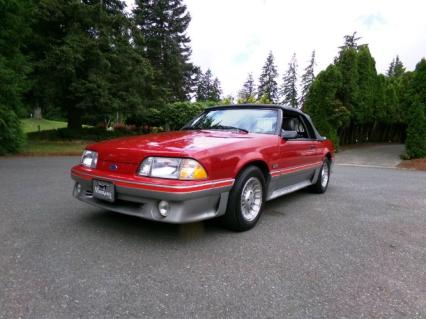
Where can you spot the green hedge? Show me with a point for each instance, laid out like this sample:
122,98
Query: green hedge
11,136
176,115
170,116
416,131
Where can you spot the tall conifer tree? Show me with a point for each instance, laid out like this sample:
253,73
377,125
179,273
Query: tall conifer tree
166,45
396,68
248,92
268,86
208,88
289,88
307,79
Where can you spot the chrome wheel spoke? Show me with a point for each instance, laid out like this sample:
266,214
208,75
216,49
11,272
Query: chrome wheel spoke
324,175
251,199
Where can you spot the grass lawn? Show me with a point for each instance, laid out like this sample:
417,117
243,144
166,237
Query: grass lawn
40,148
31,125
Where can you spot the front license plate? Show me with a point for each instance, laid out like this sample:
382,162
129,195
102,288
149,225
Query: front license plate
103,190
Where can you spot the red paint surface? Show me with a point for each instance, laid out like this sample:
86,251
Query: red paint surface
222,153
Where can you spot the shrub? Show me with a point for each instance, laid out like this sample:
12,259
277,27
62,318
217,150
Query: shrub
416,131
11,135
176,115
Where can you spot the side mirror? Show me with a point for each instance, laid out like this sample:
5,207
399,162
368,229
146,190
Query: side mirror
289,135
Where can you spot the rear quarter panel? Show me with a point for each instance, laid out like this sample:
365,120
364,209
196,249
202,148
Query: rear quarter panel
328,148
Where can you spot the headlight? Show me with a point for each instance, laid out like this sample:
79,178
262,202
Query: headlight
171,167
89,159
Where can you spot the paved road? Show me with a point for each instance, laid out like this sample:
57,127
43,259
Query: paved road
358,251
380,155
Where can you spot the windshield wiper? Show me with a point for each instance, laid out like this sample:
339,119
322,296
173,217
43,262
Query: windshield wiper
225,127
216,127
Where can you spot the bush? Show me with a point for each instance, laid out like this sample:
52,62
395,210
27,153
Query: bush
176,115
171,116
416,131
11,135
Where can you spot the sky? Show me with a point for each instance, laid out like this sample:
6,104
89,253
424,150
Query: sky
233,37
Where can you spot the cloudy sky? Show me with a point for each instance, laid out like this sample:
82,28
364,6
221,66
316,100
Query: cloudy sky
233,37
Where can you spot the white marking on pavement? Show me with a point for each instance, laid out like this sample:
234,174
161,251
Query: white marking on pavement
364,165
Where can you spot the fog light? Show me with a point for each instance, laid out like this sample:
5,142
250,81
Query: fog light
78,188
163,208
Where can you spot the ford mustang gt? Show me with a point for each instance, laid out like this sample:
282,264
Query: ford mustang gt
227,162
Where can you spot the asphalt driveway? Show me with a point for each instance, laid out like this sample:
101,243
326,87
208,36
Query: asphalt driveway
371,155
358,251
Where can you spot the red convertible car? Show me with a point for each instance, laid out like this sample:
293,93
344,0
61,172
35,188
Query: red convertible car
225,163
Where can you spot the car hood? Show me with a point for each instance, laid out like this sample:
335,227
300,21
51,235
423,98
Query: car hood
178,143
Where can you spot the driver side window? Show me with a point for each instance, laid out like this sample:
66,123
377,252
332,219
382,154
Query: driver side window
294,123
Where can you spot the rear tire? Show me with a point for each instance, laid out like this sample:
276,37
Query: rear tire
323,179
245,200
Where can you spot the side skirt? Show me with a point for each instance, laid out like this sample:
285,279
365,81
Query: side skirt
289,189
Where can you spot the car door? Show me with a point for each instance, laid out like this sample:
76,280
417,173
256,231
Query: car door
298,156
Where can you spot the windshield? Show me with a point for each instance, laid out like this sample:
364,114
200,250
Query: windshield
262,121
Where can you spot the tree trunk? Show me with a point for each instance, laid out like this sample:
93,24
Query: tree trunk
74,119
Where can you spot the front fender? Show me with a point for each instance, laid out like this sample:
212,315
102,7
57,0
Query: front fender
252,157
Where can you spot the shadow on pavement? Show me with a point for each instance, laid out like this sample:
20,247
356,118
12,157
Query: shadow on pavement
131,226
98,220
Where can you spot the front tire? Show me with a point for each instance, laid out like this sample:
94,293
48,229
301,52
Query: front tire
323,179
245,200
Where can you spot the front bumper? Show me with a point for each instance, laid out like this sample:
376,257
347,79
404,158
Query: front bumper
186,204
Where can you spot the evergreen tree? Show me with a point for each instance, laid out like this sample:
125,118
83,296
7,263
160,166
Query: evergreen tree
399,68
307,79
347,62
268,86
416,131
396,68
248,92
395,93
205,82
166,45
14,67
86,63
208,87
216,91
367,77
289,88
351,41
391,70
326,109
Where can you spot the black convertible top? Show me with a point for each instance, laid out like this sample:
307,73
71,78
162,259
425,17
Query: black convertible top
285,108
277,106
